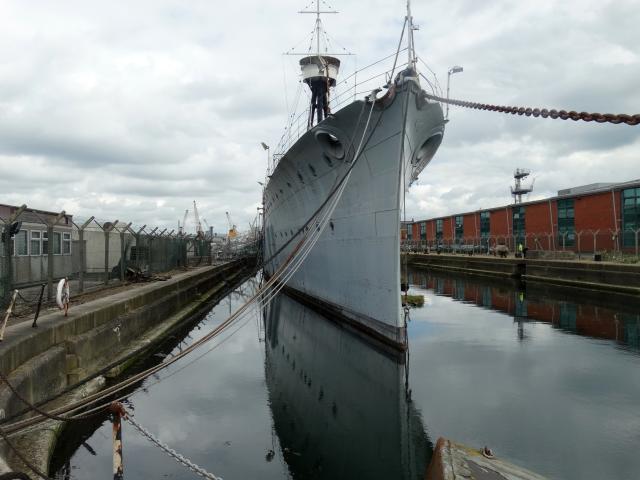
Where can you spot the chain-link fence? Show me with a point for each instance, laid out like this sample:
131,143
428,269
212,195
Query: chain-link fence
38,247
605,245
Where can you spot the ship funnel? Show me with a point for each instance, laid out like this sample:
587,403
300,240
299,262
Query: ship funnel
319,72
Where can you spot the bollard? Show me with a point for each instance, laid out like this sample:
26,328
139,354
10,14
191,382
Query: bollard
35,318
8,314
118,412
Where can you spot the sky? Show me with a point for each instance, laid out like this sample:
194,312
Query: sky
133,110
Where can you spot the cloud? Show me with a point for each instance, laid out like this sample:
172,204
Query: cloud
132,111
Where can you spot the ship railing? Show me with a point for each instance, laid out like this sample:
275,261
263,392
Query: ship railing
348,90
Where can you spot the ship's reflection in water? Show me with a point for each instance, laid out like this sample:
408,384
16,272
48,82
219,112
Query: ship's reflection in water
340,407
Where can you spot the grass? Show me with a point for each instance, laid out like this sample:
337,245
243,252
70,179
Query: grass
413,300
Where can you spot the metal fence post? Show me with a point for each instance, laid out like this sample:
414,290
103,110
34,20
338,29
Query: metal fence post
123,252
50,244
7,250
107,234
83,253
151,237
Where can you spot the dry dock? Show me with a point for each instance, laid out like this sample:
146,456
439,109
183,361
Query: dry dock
99,338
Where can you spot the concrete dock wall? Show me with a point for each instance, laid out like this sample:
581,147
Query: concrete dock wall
603,276
44,361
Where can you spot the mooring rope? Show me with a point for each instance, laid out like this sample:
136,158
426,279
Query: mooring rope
305,244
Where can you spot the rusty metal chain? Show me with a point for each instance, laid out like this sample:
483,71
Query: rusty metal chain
543,112
201,472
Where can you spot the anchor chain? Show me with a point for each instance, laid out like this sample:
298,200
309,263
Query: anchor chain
171,452
543,112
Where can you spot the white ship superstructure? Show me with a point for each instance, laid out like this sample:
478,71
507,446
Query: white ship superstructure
354,268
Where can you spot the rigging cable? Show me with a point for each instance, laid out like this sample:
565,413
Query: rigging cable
334,195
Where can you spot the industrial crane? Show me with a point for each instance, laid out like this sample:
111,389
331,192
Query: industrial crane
199,232
181,229
233,233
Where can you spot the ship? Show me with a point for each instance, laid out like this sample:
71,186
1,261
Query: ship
377,146
340,408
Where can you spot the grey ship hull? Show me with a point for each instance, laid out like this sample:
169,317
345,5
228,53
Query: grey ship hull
354,269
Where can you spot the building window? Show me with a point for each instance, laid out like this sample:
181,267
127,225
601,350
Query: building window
66,243
485,227
518,226
21,245
566,223
459,228
409,231
45,243
36,244
439,223
423,230
57,243
630,216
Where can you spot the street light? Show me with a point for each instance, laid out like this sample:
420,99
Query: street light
266,147
452,70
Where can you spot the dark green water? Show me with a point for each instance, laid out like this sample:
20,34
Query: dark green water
548,382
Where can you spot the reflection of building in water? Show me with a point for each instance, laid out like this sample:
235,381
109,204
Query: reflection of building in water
584,317
339,406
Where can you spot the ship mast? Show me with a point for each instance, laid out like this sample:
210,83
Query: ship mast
411,51
319,72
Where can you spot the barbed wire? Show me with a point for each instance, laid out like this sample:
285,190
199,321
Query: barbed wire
544,113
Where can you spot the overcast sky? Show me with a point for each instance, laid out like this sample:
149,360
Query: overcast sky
132,110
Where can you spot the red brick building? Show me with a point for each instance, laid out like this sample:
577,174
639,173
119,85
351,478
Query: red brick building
596,217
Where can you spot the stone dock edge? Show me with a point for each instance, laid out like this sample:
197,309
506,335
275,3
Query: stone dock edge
112,331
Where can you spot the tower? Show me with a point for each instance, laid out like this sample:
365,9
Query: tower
519,188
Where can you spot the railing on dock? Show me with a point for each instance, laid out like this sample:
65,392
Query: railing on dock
621,245
94,253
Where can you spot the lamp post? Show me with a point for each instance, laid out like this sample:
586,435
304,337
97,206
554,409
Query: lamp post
266,147
452,70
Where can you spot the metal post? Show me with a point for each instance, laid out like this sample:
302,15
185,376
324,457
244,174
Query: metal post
118,412
83,253
106,256
35,318
107,234
7,253
151,250
50,261
8,314
123,252
82,260
50,226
